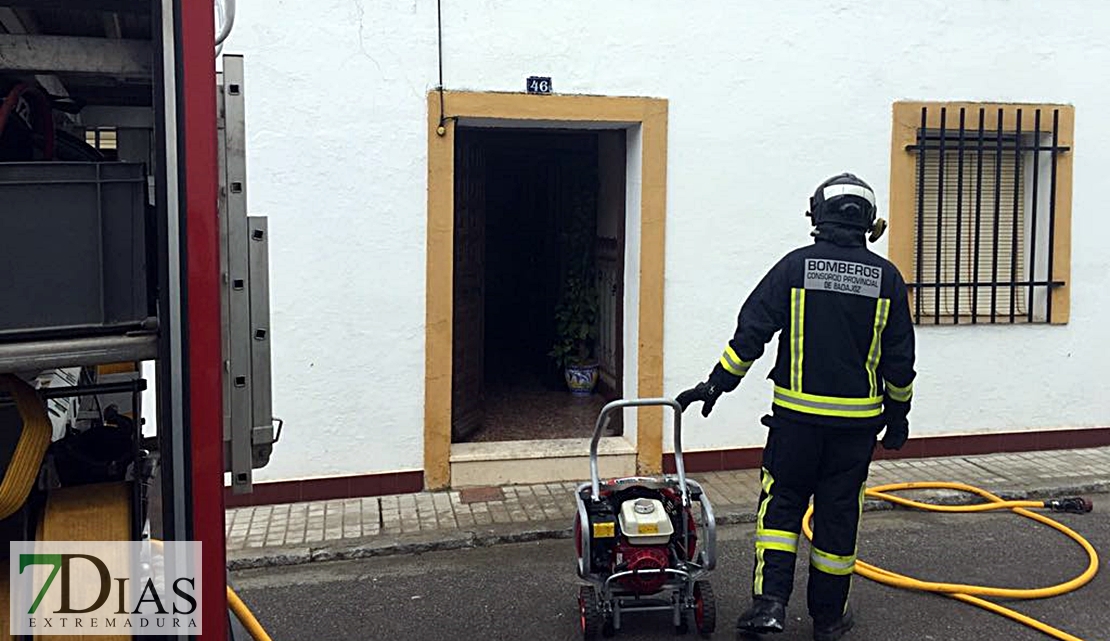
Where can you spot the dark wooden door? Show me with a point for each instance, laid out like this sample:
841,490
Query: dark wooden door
468,343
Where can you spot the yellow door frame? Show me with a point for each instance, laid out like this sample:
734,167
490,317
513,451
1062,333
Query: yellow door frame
650,114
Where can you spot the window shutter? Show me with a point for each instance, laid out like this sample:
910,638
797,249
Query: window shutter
958,224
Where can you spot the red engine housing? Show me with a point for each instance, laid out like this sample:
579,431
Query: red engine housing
640,557
691,524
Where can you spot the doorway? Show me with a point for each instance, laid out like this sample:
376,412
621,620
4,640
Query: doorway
639,450
538,263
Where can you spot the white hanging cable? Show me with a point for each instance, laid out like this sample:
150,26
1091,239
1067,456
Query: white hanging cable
225,12
228,10
219,23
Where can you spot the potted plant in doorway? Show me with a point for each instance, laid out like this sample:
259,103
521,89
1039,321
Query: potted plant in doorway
577,310
576,331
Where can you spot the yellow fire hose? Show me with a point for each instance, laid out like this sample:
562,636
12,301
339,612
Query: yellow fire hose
23,468
973,593
246,617
241,611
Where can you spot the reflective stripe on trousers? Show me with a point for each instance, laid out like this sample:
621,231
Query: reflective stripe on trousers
767,481
859,518
780,540
836,564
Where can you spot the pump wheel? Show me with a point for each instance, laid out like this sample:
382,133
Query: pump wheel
590,618
705,608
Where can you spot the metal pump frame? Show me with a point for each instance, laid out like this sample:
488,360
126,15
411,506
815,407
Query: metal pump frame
677,593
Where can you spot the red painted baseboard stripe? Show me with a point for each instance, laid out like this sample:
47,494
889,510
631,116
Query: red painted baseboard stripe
751,457
321,489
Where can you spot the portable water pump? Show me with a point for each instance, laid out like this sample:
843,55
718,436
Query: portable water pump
637,542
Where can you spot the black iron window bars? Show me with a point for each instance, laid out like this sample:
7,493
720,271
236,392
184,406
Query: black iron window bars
979,192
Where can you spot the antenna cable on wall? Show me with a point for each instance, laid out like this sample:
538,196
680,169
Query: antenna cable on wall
442,129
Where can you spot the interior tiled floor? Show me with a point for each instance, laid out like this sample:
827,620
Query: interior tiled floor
526,409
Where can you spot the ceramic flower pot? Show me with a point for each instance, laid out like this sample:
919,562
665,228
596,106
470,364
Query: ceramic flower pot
581,379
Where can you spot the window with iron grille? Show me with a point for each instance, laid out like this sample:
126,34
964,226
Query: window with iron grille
980,211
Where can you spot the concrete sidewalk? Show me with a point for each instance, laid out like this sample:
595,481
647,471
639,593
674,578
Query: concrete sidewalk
299,533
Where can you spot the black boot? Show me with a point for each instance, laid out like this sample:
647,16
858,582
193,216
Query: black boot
833,629
764,616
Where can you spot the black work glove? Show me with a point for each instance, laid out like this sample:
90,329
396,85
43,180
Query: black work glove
897,427
720,381
704,392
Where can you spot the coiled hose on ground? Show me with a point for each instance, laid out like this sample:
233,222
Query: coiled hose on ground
23,469
974,594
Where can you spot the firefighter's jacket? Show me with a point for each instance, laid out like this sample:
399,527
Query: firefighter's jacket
846,346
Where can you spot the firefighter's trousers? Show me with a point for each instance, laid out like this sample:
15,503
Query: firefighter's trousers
829,464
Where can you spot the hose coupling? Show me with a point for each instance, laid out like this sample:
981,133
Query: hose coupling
1071,505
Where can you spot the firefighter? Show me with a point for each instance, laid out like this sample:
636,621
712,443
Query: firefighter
844,371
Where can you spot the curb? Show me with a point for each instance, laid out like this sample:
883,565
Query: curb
442,540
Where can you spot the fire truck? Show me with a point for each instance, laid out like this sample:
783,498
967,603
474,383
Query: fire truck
134,297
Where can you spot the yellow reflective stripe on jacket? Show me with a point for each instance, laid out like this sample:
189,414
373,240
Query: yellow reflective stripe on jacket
829,405
780,540
900,394
882,312
837,564
797,336
732,362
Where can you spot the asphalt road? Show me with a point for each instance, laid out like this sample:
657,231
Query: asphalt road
527,591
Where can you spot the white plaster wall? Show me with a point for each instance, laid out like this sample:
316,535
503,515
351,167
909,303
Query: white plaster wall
765,102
